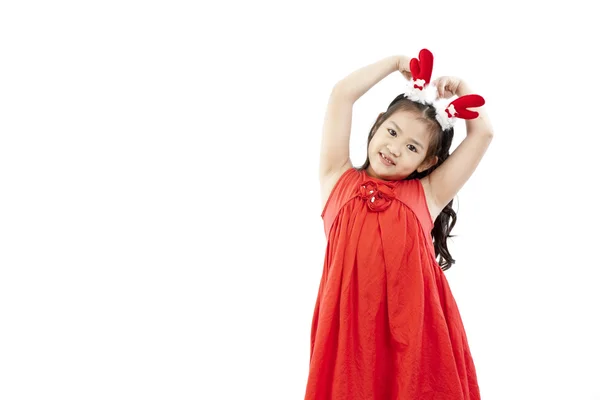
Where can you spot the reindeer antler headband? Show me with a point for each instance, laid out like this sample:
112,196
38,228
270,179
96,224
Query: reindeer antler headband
419,91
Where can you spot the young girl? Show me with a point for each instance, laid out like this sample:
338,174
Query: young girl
386,325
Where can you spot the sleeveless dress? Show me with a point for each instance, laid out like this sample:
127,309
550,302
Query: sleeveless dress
386,325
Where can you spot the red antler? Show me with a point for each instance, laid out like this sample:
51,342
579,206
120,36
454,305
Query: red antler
421,68
458,108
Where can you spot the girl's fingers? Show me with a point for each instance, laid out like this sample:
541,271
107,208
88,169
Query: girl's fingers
441,86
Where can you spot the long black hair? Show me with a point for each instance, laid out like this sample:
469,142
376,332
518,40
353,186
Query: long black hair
441,140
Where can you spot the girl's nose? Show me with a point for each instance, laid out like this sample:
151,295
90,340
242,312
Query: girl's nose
393,150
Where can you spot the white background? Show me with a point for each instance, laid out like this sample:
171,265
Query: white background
160,231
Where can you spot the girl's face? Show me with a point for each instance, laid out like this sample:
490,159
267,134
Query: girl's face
399,147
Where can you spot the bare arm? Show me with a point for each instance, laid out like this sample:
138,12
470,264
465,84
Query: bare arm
335,143
445,182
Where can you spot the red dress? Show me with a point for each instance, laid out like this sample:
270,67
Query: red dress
386,325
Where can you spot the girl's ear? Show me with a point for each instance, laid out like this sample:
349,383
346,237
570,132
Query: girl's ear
428,163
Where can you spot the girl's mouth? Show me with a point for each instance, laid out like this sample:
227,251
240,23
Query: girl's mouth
386,161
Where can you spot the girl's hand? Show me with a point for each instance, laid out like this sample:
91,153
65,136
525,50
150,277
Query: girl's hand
404,67
447,86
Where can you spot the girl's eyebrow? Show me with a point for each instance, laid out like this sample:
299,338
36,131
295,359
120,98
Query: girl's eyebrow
413,140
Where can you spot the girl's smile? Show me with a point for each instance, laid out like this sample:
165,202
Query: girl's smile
386,161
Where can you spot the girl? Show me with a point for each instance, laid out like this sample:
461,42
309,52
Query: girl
386,325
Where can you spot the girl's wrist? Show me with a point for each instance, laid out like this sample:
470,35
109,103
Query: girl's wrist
463,89
402,62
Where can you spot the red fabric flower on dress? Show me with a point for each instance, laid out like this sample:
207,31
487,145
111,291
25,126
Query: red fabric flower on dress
378,196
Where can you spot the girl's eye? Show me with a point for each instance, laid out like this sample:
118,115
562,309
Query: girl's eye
392,132
412,148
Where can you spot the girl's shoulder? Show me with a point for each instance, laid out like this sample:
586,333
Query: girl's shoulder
329,182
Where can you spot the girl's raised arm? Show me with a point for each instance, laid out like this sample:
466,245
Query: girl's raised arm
443,184
335,142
